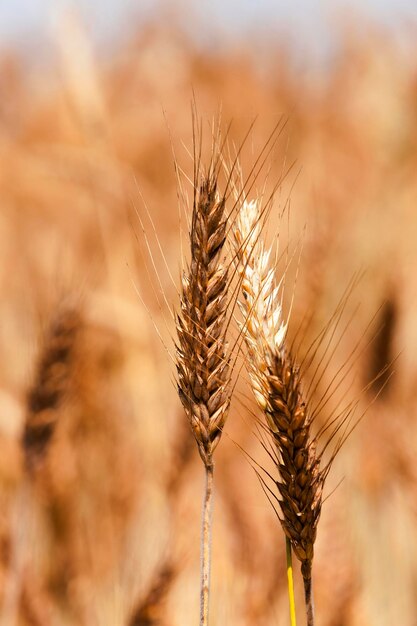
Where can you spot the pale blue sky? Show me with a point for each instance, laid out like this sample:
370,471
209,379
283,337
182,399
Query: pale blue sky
307,24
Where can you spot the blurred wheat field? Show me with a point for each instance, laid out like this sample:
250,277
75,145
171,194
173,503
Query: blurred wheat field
100,478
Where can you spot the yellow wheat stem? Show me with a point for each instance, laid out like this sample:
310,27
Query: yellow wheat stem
290,581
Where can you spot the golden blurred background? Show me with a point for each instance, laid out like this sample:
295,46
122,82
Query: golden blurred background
101,483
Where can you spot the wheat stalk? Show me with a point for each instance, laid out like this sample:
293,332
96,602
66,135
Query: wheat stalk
277,388
203,360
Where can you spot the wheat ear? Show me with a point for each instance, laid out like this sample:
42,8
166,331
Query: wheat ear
50,386
276,385
203,361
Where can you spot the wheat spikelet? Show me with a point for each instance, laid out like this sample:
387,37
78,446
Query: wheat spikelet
202,353
277,387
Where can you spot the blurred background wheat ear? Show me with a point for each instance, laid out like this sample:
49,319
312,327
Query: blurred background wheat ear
100,478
